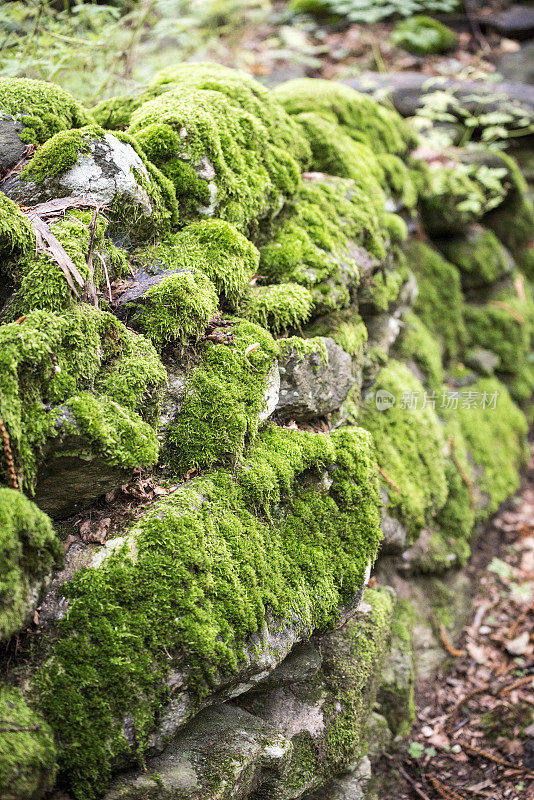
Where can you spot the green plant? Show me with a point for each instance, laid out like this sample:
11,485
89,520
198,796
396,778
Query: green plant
423,35
369,11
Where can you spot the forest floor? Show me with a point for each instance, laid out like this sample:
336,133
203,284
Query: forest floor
474,732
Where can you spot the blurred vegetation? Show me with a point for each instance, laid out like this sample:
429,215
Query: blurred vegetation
98,49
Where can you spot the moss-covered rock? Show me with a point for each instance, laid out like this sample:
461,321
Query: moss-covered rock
42,108
423,35
39,281
417,346
362,118
280,308
396,693
440,304
28,755
505,326
48,360
197,576
110,168
219,157
479,256
172,307
493,429
29,549
409,443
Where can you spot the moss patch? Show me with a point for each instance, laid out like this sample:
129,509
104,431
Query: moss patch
93,351
43,108
219,157
409,443
280,307
176,309
417,344
28,762
423,35
479,256
440,303
29,549
223,397
362,118
206,569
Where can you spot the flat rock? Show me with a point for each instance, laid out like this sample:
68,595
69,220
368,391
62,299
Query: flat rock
11,147
314,384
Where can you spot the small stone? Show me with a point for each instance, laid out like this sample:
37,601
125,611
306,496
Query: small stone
519,645
427,731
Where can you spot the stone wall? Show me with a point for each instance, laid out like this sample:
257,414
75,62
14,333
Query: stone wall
313,335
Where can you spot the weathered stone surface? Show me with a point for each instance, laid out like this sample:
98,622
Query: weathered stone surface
11,147
351,785
314,384
516,22
281,742
394,532
72,475
518,66
483,361
110,173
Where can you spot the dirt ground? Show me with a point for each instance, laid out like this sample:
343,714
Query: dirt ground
474,732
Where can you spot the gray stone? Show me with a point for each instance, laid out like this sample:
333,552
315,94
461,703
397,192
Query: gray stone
483,361
393,531
518,66
351,785
516,22
11,147
314,384
72,475
109,173
406,90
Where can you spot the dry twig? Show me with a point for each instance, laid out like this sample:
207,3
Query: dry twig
8,454
442,790
388,479
447,645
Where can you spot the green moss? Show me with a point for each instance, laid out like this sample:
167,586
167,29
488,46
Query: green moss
176,309
219,157
398,179
346,328
42,282
213,246
280,307
296,345
29,549
505,325
223,397
351,680
440,303
60,153
494,434
27,753
48,359
417,344
396,694
122,439
16,233
323,239
42,108
479,256
243,91
423,36
409,444
115,113
202,571
382,289
362,118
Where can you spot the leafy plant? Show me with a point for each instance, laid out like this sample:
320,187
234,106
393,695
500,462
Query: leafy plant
369,11
423,35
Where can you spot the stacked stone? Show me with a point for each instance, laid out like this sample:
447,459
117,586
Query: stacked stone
315,341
